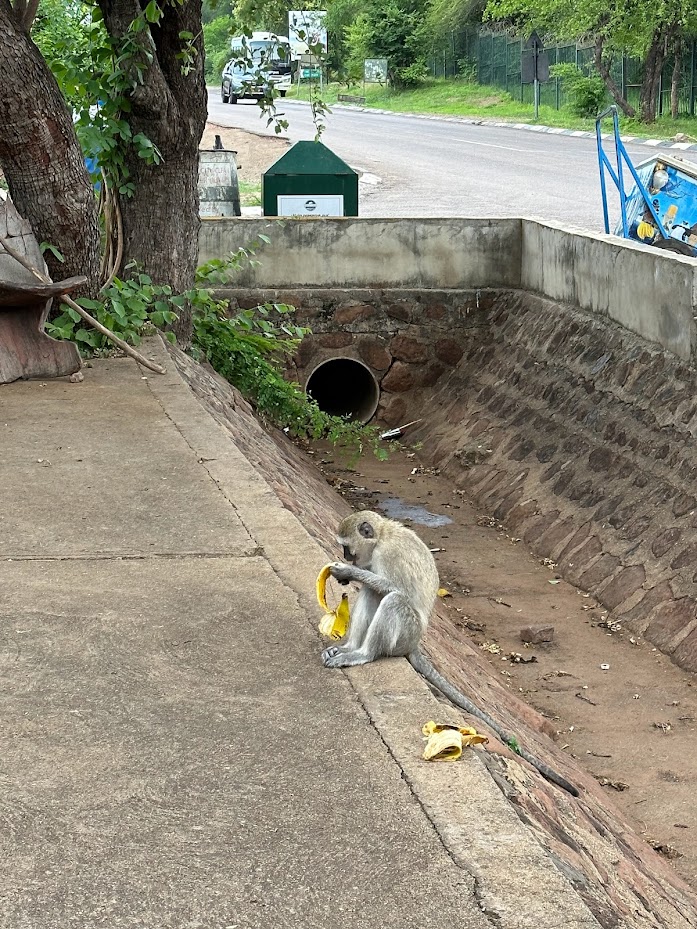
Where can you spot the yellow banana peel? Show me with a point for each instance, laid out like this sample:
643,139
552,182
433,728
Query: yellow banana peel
321,587
334,625
445,742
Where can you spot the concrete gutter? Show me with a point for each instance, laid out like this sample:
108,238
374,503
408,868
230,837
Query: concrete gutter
174,754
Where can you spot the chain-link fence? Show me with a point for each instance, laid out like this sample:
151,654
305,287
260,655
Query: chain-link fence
492,58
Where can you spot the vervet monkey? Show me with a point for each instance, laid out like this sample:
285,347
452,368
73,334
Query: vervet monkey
399,582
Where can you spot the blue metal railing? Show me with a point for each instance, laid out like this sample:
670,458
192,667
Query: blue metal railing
623,160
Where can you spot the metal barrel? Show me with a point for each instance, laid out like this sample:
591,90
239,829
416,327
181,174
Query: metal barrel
218,185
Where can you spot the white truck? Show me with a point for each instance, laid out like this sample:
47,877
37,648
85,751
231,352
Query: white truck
269,53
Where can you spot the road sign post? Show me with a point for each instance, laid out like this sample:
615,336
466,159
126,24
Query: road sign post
534,67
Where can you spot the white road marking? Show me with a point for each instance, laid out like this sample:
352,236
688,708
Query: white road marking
537,151
506,148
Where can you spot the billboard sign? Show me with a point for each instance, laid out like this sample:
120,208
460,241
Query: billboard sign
375,70
307,29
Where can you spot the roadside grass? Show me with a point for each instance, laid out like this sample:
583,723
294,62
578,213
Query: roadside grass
250,193
478,101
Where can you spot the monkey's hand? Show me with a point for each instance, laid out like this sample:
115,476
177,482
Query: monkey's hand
343,573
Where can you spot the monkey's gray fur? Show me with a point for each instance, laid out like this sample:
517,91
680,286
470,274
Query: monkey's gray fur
399,585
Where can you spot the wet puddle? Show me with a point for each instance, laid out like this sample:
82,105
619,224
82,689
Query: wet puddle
398,509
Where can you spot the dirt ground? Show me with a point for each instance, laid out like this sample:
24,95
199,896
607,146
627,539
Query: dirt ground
619,706
255,153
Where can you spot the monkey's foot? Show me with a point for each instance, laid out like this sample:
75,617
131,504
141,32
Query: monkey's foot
342,659
330,653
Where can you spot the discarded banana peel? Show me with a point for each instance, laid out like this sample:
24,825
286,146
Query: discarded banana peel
334,625
445,742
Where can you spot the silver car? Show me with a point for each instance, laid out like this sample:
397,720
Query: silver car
244,82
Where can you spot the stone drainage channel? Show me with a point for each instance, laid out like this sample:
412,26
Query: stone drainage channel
629,724
575,437
572,433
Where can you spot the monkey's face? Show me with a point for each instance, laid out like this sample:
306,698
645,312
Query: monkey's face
358,536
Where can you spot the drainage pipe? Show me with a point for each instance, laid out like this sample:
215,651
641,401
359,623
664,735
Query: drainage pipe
344,387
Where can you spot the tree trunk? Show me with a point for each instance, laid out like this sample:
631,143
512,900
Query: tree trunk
603,68
653,66
676,78
41,157
161,221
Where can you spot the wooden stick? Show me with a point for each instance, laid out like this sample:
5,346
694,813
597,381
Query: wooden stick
124,346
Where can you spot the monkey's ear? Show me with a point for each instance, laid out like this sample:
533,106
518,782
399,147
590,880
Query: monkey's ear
366,530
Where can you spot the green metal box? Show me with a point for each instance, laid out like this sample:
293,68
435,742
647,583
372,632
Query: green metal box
309,180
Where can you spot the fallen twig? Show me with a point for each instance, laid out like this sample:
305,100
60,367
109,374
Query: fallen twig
586,699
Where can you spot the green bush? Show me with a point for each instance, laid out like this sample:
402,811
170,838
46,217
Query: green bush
586,92
467,70
130,308
412,75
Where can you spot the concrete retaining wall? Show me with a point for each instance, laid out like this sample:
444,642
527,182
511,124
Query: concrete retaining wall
642,289
355,253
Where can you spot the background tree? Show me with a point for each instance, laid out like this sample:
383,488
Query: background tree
143,110
216,39
267,15
389,29
647,30
340,15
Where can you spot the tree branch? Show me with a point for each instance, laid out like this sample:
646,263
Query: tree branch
603,69
29,14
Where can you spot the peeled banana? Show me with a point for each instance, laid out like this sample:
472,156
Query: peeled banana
336,622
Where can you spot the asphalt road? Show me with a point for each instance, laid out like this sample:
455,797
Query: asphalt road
437,167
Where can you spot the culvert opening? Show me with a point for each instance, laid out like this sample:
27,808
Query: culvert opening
344,387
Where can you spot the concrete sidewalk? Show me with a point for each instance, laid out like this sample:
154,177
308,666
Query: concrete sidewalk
172,753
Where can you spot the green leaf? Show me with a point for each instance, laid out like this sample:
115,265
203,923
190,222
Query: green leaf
88,304
90,337
152,12
47,247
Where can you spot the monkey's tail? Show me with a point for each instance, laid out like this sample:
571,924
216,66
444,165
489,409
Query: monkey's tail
420,663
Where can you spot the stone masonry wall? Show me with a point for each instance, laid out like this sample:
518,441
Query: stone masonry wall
580,437
407,338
